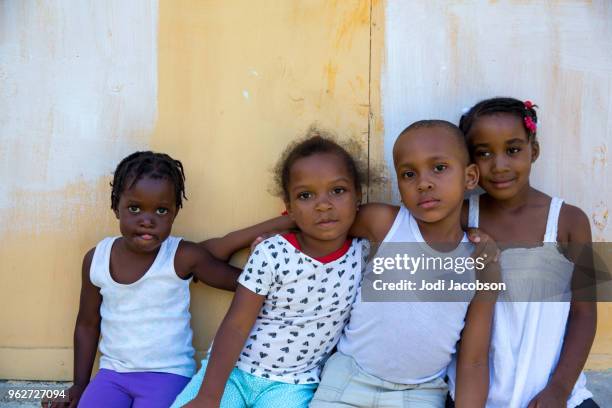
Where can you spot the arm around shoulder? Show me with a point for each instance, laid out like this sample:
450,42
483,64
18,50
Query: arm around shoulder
194,259
223,248
373,221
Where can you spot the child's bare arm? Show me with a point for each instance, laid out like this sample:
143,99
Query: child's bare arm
86,333
194,259
473,356
373,221
223,248
227,346
582,320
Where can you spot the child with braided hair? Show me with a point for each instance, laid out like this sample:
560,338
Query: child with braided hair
135,292
538,346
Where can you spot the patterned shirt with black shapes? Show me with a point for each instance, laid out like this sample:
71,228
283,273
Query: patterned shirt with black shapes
306,307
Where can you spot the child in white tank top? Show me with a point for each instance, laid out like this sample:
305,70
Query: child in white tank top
538,347
395,354
135,292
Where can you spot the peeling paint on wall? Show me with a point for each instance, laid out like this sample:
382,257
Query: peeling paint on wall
442,57
79,91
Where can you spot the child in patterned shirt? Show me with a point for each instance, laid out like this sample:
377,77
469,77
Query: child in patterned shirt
295,293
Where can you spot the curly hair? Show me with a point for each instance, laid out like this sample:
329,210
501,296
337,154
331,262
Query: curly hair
318,141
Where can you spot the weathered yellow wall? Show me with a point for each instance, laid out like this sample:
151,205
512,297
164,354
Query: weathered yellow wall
222,85
77,92
237,81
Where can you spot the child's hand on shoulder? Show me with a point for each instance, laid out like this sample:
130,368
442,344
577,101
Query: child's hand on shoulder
486,256
262,238
195,260
486,247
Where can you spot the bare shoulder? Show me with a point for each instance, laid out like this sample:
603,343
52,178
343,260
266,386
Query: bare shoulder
380,210
89,257
87,285
374,220
188,254
574,225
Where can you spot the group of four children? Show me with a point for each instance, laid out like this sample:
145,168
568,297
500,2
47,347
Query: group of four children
298,332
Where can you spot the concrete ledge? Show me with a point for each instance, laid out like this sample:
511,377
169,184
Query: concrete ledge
598,382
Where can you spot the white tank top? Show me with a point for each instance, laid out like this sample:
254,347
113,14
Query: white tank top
146,324
527,337
404,342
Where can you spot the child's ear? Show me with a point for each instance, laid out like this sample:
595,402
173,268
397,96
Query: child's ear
472,174
116,213
288,209
535,151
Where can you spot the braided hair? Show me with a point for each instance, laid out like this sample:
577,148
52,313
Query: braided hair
154,165
525,111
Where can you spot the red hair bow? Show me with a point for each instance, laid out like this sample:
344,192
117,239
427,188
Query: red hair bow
530,124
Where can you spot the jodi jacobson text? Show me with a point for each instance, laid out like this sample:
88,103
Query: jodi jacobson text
439,285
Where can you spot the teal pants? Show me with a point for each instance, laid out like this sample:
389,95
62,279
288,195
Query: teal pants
244,390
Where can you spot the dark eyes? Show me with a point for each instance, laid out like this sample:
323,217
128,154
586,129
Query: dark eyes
483,154
306,195
134,209
439,168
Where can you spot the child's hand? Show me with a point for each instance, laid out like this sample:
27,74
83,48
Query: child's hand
257,241
487,253
550,396
486,248
74,395
263,237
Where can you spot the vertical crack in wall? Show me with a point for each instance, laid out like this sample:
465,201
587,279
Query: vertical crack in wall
369,108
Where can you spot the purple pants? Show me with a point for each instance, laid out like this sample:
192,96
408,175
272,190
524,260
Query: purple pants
138,390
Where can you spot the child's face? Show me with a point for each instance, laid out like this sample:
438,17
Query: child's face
503,154
146,212
433,172
323,198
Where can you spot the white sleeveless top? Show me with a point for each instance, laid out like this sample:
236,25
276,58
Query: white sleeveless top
146,324
405,342
527,337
